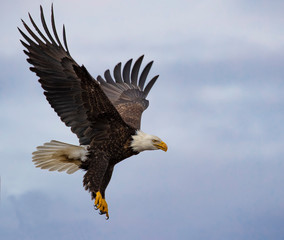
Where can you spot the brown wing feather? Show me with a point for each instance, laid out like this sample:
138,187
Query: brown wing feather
54,65
129,97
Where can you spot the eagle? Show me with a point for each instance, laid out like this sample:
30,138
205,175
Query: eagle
104,112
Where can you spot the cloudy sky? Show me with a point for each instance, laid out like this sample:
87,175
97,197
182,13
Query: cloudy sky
218,104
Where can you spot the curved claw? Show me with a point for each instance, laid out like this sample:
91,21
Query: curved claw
106,213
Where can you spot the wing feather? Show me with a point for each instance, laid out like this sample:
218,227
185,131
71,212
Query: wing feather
117,73
144,75
45,26
135,70
128,98
54,28
150,85
126,71
108,77
54,66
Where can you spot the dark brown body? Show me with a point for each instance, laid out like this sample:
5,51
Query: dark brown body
102,159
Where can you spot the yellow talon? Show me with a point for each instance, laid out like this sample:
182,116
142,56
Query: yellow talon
98,199
101,204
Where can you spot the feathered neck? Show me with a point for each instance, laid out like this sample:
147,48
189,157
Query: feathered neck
142,141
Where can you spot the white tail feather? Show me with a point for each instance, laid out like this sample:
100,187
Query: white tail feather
59,156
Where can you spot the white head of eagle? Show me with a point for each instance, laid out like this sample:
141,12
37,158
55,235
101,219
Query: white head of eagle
143,141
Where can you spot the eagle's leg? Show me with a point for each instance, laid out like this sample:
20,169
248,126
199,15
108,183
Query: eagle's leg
97,168
100,202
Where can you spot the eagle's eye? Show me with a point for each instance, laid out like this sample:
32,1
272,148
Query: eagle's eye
155,141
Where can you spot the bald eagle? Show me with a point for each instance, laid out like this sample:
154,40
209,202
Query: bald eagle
104,113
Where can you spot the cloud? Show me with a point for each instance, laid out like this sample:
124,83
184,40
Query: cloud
219,94
207,29
238,206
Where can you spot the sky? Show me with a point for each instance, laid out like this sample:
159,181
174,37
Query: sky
218,104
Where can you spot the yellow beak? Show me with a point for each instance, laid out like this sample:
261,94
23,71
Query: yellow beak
162,145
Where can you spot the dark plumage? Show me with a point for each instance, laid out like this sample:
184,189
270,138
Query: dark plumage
105,114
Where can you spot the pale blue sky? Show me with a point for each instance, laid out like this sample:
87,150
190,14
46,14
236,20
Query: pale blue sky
218,104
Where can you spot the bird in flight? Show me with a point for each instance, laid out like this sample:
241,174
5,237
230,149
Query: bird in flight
104,112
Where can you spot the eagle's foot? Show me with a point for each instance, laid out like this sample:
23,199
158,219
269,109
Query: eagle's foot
101,204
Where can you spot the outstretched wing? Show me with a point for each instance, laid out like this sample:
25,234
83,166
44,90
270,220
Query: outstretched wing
126,91
53,64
